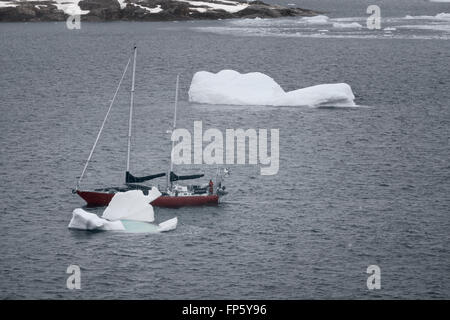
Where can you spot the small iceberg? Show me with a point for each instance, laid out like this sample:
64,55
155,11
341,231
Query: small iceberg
229,87
351,25
128,211
83,220
319,19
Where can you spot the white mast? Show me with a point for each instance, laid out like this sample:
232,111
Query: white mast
131,110
173,129
103,124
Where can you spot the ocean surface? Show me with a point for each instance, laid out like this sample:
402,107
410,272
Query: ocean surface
368,185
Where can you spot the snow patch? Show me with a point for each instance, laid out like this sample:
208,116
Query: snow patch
70,7
122,4
230,87
156,9
6,4
231,6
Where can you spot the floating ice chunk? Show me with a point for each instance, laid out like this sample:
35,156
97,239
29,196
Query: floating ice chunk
320,19
332,94
145,227
443,16
132,205
439,16
168,225
128,211
84,220
230,87
352,25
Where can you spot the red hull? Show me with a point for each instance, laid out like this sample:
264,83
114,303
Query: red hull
102,199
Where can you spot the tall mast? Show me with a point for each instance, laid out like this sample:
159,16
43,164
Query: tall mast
103,124
131,110
173,129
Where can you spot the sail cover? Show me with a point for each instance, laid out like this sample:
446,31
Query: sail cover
174,177
129,178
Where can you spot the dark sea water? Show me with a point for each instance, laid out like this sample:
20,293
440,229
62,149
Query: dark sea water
356,186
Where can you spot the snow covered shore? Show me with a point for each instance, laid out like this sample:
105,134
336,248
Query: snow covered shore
141,10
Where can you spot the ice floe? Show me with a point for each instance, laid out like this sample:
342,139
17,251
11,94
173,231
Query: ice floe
439,16
127,211
132,205
351,25
84,220
229,87
320,19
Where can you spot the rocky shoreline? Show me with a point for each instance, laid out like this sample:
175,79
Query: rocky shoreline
142,10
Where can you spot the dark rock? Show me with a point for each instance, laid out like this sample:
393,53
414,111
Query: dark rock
135,10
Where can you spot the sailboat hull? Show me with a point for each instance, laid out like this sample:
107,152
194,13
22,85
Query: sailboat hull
95,199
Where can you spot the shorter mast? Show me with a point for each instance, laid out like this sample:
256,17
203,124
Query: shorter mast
130,120
169,182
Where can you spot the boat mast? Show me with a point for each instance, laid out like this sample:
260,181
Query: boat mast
173,129
103,125
131,109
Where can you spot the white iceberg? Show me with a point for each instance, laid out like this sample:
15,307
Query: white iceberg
319,19
352,25
439,16
168,225
132,205
229,87
83,220
127,211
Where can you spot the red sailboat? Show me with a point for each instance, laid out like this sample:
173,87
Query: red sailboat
176,195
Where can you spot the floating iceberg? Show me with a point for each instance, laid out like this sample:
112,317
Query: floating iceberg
319,19
439,16
352,25
230,87
84,220
128,211
132,205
